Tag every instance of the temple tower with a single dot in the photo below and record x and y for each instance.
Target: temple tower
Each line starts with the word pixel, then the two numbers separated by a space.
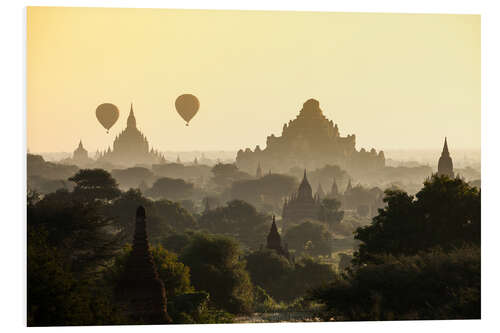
pixel 305 190
pixel 140 290
pixel 274 240
pixel 334 192
pixel 301 205
pixel 131 123
pixel 258 174
pixel 445 164
pixel 349 187
pixel 320 194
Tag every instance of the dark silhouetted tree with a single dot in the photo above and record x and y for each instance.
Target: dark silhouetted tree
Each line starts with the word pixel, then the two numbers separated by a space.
pixel 446 212
pixel 169 188
pixel 310 238
pixel 94 184
pixel 239 220
pixel 216 269
pixel 329 212
pixel 428 285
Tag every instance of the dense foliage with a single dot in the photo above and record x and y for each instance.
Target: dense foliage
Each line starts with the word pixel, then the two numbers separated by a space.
pixel 445 212
pixel 419 259
pixel 239 220
pixel 428 285
pixel 309 238
pixel 216 268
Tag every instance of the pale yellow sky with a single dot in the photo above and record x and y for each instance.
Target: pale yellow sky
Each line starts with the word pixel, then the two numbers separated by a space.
pixel 395 80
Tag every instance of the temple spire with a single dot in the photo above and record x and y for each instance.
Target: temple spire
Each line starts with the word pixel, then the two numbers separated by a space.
pixel 445 147
pixel 305 190
pixel 274 240
pixel 140 290
pixel 349 186
pixel 445 163
pixel 131 118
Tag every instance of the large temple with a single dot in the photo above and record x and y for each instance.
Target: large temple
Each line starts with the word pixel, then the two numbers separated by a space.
pixel 301 205
pixel 131 147
pixel 445 164
pixel 310 141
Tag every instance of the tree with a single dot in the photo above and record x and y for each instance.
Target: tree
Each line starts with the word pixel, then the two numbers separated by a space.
pixel 427 285
pixel 239 220
pixel 269 270
pixel 269 189
pixel 177 242
pixel 132 177
pixel 173 273
pixel 169 188
pixel 55 296
pixel 164 216
pixel 310 238
pixel 329 212
pixel 80 230
pixel 446 212
pixel 283 280
pixel 216 269
pixel 308 273
pixel 94 184
pixel 225 174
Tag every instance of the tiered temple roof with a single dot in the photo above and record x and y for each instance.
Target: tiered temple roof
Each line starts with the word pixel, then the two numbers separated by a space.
pixel 310 140
pixel 131 147
pixel 301 205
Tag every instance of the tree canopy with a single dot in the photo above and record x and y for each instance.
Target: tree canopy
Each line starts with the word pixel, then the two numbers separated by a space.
pixel 309 238
pixel 216 268
pixel 445 212
pixel 94 184
pixel 239 220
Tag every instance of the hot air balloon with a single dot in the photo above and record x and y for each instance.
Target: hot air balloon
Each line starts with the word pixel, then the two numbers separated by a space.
pixel 107 114
pixel 187 105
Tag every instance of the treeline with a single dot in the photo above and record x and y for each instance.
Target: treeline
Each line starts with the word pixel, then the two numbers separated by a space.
pixel 418 259
pixel 78 242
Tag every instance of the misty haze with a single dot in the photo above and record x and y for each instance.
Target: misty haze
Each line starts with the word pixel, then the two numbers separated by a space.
pixel 190 166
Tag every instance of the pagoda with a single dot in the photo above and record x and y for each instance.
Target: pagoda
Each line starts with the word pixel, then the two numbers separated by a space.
pixel 310 141
pixel 131 147
pixel 140 290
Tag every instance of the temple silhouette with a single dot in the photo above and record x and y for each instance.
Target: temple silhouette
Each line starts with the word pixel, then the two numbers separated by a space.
pixel 445 163
pixel 140 291
pixel 309 141
pixel 274 241
pixel 301 205
pixel 130 147
pixel 80 157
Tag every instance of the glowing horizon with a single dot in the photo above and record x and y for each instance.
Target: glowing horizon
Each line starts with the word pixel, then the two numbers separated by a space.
pixel 397 81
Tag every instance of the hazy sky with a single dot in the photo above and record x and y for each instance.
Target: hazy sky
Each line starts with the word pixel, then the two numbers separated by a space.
pixel 396 81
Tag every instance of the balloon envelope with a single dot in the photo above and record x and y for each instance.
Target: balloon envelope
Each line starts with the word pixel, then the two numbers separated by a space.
pixel 107 114
pixel 187 106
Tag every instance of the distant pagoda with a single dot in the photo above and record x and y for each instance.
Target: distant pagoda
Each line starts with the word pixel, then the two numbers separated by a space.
pixel 274 241
pixel 445 164
pixel 130 147
pixel 140 290
pixel 311 141
pixel 80 157
pixel 301 205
